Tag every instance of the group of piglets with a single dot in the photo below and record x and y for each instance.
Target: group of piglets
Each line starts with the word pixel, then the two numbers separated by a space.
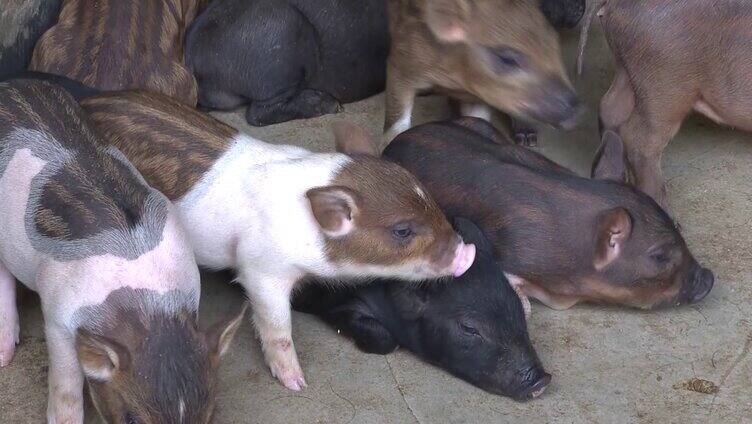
pixel 540 231
pixel 114 199
pixel 112 203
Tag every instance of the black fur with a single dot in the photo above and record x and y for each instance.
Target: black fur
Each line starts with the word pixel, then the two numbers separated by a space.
pixel 288 59
pixel 15 56
pixel 428 320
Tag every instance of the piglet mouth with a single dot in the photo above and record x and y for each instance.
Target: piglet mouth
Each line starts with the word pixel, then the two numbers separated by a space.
pixel 463 259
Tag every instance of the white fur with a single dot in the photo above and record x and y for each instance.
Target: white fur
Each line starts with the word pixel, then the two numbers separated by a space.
pixel 250 212
pixel 403 124
pixel 64 287
pixel 476 110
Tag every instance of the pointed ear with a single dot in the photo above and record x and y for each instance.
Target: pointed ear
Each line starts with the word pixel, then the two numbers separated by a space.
pixel 99 356
pixel 610 162
pixel 448 20
pixel 220 335
pixel 614 229
pixel 334 208
pixel 352 139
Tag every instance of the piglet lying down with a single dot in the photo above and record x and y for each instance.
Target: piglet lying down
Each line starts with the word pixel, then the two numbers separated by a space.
pixel 560 238
pixel 474 328
pixel 277 213
pixel 117 279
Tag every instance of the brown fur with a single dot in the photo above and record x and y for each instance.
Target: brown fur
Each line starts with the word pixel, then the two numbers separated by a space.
pixel 117 45
pixel 387 196
pixel 172 159
pixel 672 57
pixel 148 357
pixel 419 58
pixel 569 238
pixel 84 197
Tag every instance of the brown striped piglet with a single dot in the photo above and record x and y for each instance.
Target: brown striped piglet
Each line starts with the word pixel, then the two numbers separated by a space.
pixel 276 213
pixel 560 238
pixel 117 45
pixel 502 54
pixel 118 282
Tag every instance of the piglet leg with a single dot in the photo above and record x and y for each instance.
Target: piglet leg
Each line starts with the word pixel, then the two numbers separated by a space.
pixel 400 97
pixel 270 299
pixel 65 403
pixel 9 328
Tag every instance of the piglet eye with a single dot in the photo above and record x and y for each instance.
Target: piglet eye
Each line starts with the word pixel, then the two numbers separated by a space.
pixel 506 59
pixel 469 330
pixel 660 258
pixel 402 231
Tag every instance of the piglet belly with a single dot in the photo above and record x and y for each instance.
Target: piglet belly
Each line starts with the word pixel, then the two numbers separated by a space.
pixel 16 252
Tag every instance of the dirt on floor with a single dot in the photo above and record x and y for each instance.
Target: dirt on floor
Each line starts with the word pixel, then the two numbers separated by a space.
pixel 608 364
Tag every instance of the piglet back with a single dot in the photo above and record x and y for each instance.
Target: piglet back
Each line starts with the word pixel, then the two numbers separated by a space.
pixel 86 200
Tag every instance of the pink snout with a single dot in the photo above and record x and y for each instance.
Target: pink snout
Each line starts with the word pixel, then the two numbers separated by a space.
pixel 463 258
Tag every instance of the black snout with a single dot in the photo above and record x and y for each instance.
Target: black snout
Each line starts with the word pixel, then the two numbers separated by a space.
pixel 558 105
pixel 703 283
pixel 537 380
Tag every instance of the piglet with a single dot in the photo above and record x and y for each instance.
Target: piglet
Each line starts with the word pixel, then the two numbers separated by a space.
pixel 22 23
pixel 116 45
pixel 276 213
pixel 560 238
pixel 672 58
pixel 288 59
pixel 498 53
pixel 473 328
pixel 117 279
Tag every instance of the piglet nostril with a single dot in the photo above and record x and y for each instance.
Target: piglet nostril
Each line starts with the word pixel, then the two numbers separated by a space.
pixel 703 284
pixel 539 387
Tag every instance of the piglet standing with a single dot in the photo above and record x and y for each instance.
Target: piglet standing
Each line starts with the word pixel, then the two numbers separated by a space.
pixel 497 53
pixel 277 213
pixel 672 58
pixel 118 282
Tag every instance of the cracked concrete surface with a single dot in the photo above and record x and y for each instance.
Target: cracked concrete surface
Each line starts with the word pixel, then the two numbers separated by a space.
pixel 608 364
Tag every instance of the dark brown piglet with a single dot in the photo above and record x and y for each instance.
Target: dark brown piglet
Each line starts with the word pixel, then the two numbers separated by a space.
pixel 560 238
pixel 117 45
pixel 673 57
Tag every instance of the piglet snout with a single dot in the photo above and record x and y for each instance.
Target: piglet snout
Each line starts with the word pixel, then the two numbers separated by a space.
pixel 463 258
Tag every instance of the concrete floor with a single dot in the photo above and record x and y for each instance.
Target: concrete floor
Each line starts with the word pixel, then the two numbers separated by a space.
pixel 609 364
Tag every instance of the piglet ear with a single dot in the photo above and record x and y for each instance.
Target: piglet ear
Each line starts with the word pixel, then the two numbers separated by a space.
pixel 448 19
pixel 99 356
pixel 334 208
pixel 610 162
pixel 614 229
pixel 352 139
pixel 220 335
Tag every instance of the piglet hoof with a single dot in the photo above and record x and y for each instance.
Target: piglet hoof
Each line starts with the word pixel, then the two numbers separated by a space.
pixel 290 376
pixel 9 338
pixel 524 133
pixel 527 139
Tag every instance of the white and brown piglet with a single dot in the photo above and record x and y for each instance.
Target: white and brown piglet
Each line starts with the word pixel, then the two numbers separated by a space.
pixel 117 279
pixel 276 213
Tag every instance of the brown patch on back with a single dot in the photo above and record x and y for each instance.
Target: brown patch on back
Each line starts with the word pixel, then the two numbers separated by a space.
pixel 171 144
pixel 116 45
pixel 85 196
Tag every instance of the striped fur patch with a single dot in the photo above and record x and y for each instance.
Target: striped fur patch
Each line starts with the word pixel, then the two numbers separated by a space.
pixel 117 45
